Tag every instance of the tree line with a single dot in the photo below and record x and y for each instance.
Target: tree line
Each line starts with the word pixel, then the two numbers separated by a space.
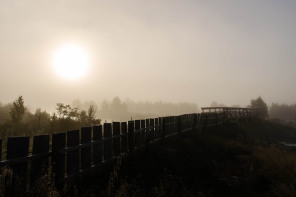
pixel 283 112
pixel 16 119
pixel 125 110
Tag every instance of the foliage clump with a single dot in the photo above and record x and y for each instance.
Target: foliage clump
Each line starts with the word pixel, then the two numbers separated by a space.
pixel 259 103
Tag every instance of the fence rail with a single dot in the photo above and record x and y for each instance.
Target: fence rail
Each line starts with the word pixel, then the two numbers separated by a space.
pixel 68 154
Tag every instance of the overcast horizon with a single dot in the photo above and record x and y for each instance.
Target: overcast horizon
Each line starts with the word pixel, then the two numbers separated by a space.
pixel 172 51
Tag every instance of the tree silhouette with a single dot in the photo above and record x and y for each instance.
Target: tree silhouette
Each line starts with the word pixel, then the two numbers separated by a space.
pixel 17 110
pixel 259 103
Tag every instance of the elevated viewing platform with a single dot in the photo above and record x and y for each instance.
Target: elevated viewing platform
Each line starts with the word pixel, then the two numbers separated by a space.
pixel 232 112
pixel 229 109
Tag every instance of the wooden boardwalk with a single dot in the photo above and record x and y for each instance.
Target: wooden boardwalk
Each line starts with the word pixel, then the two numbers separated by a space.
pixel 233 113
pixel 73 153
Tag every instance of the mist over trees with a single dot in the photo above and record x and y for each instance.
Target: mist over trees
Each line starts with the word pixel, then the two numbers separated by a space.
pixel 216 104
pixel 283 112
pixel 128 109
pixel 16 118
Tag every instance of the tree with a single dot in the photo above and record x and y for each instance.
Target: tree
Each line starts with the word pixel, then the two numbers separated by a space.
pixel 215 104
pixel 83 118
pixel 91 113
pixel 17 110
pixel 66 111
pixel 89 118
pixel 259 103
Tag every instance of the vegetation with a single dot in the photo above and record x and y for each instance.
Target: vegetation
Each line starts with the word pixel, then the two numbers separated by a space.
pixel 17 110
pixel 259 103
pixel 283 113
pixel 16 119
pixel 125 110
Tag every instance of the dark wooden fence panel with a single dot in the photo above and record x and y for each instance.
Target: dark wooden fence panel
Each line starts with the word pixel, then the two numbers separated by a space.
pixel 58 159
pixel 168 126
pixel 171 125
pixel 147 130
pixel 108 142
pixel 0 149
pixel 137 134
pixel 131 136
pixel 86 151
pixel 195 119
pixel 18 147
pixel 125 137
pixel 164 127
pixel 158 134
pixel 124 147
pixel 116 139
pixel 198 120
pixel 143 132
pixel 175 126
pixel 178 123
pixel 156 128
pixel 97 148
pixel 72 156
pixel 39 167
pixel 152 130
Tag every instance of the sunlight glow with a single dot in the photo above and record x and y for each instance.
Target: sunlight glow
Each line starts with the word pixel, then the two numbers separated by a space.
pixel 71 62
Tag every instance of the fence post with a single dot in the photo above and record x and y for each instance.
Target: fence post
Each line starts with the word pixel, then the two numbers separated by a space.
pixel 138 134
pixel 97 148
pixel 152 130
pixel 107 142
pixel 158 134
pixel 17 147
pixel 0 149
pixel 216 119
pixel 39 167
pixel 58 159
pixel 198 120
pixel 143 132
pixel 72 156
pixel 164 127
pixel 124 147
pixel 205 121
pixel 131 136
pixel 148 134
pixel 86 151
pixel 179 125
pixel 116 138
pixel 194 121
pixel 156 129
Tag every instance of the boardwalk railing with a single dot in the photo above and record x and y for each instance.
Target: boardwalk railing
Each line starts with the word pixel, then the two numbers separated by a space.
pixel 72 153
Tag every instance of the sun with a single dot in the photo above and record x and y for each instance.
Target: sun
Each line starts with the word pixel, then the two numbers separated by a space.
pixel 71 61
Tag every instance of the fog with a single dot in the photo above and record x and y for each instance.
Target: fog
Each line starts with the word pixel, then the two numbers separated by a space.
pixel 117 110
pixel 148 52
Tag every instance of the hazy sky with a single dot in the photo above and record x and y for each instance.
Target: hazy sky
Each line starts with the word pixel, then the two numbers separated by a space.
pixel 197 51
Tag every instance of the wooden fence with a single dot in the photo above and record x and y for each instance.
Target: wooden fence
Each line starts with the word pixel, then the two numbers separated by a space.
pixel 72 153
